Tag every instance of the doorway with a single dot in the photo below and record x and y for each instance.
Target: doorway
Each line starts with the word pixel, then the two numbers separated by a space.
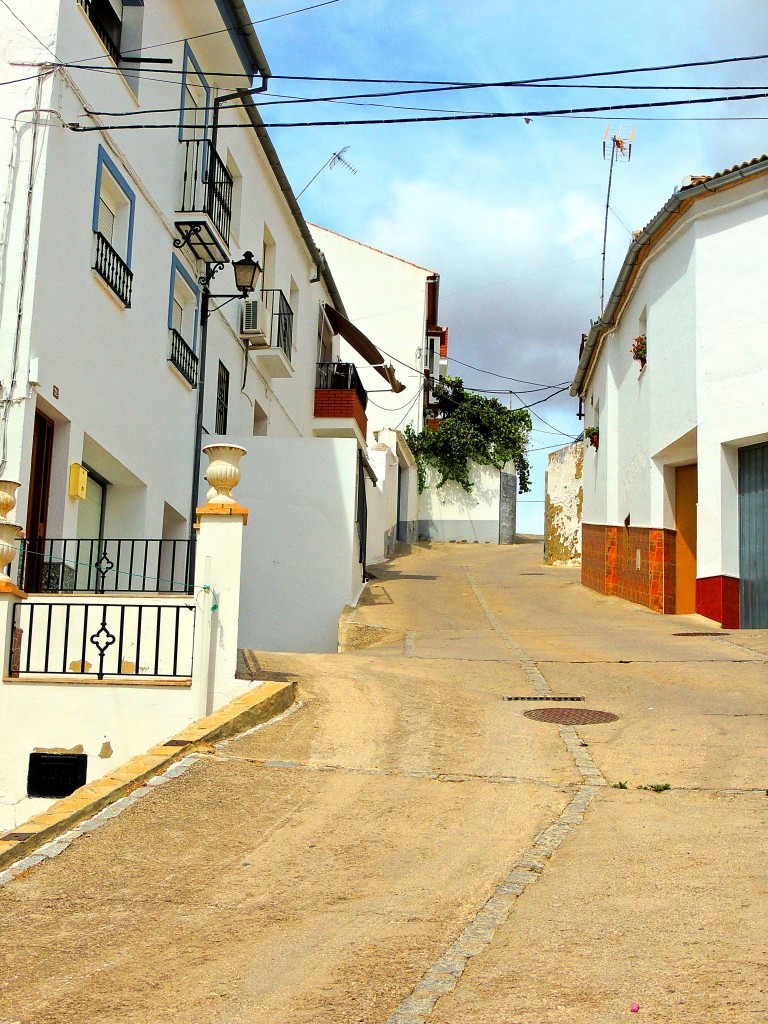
pixel 753 537
pixel 686 497
pixel 37 512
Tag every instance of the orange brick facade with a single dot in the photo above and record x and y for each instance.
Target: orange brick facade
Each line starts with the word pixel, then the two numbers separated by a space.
pixel 609 564
pixel 341 404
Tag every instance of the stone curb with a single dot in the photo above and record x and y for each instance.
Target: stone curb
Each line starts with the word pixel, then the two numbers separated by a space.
pixel 249 709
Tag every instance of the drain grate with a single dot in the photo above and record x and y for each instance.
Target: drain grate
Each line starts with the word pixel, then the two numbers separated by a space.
pixel 177 743
pixel 531 574
pixel 570 716
pixel 537 697
pixel 701 634
pixel 16 837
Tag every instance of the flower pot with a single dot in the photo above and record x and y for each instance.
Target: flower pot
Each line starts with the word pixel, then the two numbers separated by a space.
pixel 223 473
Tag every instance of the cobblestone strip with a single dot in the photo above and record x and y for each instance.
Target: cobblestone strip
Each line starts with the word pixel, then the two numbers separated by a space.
pixel 529 667
pixel 444 974
pixel 58 845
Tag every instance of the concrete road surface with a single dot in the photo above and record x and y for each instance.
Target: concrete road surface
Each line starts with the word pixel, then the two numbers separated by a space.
pixel 407 847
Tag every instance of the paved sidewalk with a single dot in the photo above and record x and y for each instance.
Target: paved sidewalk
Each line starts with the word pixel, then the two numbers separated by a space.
pixel 407 847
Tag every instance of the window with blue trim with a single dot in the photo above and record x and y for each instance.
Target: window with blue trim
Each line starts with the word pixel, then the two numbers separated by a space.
pixel 183 310
pixel 195 99
pixel 114 206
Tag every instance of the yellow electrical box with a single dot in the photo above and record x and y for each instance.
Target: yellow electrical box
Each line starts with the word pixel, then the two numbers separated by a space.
pixel 78 478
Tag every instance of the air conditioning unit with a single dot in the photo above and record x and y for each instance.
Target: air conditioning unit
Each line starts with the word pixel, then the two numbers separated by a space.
pixel 254 323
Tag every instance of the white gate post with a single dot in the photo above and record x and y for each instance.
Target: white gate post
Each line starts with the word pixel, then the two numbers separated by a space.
pixel 217 580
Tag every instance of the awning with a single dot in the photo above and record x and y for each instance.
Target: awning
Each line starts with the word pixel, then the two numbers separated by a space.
pixel 363 346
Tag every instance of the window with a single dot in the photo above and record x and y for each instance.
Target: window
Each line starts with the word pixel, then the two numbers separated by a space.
pixel 268 252
pixel 119 24
pixel 195 99
pixel 237 194
pixel 182 321
pixel 293 302
pixel 222 399
pixel 113 214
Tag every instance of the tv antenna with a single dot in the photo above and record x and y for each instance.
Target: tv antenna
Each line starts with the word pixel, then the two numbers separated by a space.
pixel 616 148
pixel 330 163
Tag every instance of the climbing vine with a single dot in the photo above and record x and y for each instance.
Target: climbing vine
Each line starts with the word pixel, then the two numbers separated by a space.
pixel 473 429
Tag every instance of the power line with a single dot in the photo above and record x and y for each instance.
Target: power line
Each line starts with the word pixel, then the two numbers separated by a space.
pixel 503 376
pixel 449 117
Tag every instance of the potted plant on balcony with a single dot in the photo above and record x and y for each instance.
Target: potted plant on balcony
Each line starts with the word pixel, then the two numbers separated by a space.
pixel 639 350
pixel 592 435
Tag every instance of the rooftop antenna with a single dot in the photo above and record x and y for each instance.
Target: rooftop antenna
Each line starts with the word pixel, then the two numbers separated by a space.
pixel 620 145
pixel 330 163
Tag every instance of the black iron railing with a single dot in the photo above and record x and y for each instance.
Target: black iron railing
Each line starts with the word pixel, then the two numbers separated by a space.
pixel 68 638
pixel 340 377
pixel 206 184
pixel 103 566
pixel 110 36
pixel 280 319
pixel 183 358
pixel 109 265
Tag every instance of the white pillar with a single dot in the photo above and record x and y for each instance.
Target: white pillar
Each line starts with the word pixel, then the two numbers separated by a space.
pixel 217 582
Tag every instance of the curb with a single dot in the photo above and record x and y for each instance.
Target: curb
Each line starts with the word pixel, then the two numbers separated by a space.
pixel 249 709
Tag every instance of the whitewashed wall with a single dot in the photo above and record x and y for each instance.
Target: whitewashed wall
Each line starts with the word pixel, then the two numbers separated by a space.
pixel 449 513
pixel 382 504
pixel 564 494
pixel 300 553
pixel 702 393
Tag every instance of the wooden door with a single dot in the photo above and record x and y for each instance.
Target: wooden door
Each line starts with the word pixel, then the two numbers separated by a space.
pixel 37 513
pixel 686 497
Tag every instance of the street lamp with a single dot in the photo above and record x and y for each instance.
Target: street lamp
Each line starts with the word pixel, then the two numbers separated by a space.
pixel 247 272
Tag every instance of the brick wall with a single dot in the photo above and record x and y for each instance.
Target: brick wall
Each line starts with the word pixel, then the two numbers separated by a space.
pixel 338 404
pixel 609 564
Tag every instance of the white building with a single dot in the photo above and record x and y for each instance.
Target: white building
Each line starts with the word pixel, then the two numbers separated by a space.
pixel 676 489
pixel 108 231
pixel 396 304
pixel 111 232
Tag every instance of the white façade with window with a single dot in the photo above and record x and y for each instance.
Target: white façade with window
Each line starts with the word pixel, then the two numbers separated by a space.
pixel 114 208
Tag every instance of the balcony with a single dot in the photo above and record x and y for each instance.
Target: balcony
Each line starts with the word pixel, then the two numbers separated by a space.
pixel 340 402
pixel 113 269
pixel 204 211
pixel 267 327
pixel 183 358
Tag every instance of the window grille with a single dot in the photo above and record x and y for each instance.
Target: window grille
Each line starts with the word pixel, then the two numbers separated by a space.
pixel 222 399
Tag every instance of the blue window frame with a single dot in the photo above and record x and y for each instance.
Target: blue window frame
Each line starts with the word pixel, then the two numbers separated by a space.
pixel 195 93
pixel 114 206
pixel 183 303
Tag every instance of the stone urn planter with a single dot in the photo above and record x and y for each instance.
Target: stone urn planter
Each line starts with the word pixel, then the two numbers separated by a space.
pixel 8 490
pixel 9 542
pixel 223 473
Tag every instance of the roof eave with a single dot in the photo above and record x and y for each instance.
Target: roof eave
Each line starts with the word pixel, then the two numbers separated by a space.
pixel 642 241
pixel 245 30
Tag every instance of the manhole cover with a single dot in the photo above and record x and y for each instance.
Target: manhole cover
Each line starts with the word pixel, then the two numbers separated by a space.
pixel 570 716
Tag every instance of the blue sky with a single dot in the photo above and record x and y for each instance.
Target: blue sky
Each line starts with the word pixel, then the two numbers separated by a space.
pixel 510 214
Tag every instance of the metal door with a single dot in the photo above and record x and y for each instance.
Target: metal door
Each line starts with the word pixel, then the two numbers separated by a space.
pixel 753 536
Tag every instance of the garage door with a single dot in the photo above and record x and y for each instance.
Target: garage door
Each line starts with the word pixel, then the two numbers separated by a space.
pixel 753 536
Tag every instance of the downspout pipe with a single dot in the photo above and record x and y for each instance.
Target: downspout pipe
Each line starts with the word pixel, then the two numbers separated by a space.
pixel 644 238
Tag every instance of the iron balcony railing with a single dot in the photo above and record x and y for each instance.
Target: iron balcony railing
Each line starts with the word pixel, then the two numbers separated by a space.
pixel 280 320
pixel 72 565
pixel 183 358
pixel 96 639
pixel 107 37
pixel 341 377
pixel 110 266
pixel 206 184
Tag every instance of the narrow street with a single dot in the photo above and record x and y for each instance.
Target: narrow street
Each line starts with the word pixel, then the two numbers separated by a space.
pixel 404 845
